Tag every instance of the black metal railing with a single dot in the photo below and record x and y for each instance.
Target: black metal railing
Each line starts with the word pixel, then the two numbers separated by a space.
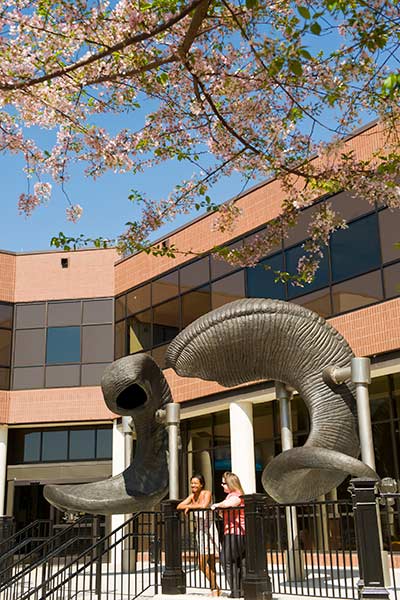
pixel 120 565
pixel 389 508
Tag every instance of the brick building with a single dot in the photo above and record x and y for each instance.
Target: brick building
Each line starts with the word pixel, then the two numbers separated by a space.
pixel 63 317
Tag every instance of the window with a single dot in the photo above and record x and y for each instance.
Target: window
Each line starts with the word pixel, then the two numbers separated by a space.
pixel 54 445
pixel 194 274
pixel 389 225
pixel 228 289
pixel 139 332
pixel 319 302
pixel 138 300
pixel 97 311
pixel 82 444
pixel 64 313
pixel 97 343
pixel 6 312
pixel 321 278
pixel 220 267
pixel 360 242
pixel 166 287
pixel 261 280
pixel 4 379
pixel 195 304
pixel 165 322
pixel 32 447
pixel 357 292
pixel 30 315
pixel 63 345
pixel 158 355
pixel 120 333
pixel 104 443
pixel 5 347
pixel 120 308
pixel 391 276
pixel 30 347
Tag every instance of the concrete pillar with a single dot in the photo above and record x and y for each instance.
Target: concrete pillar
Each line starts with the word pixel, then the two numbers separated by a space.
pixel 118 464
pixel 242 444
pixel 3 465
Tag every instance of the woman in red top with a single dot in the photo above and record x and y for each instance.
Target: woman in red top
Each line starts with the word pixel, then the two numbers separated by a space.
pixel 233 546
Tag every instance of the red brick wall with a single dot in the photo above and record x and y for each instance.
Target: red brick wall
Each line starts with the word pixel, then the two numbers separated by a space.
pixel 7 277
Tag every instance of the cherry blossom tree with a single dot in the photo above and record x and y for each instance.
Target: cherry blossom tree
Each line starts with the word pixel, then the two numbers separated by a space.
pixel 224 86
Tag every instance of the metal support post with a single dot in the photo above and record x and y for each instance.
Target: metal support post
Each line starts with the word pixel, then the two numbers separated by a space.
pixel 361 377
pixel 369 539
pixel 173 578
pixel 294 556
pixel 256 583
pixel 172 422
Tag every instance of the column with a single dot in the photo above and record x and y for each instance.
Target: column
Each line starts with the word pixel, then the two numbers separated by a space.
pixel 3 465
pixel 242 444
pixel 118 464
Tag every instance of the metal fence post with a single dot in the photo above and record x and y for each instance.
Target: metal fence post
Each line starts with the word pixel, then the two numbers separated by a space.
pixel 369 539
pixel 173 580
pixel 256 583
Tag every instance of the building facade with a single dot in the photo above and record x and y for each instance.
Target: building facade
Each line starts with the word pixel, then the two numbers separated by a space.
pixel 64 317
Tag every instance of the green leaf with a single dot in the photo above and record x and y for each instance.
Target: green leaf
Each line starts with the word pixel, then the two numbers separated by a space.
pixel 315 28
pixel 295 66
pixel 251 4
pixel 304 12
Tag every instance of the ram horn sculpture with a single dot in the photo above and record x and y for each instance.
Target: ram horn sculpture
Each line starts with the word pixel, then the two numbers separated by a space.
pixel 254 339
pixel 132 386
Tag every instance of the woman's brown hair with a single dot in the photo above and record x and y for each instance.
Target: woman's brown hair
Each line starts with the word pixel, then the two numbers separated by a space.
pixel 233 482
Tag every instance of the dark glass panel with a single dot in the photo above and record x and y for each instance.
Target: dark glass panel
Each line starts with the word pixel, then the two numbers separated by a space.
pixel 120 308
pixel 63 345
pixel 32 446
pixel 349 207
pixel 138 299
pixel 120 339
pixel 300 417
pixel 389 225
pixel 396 393
pixel 195 304
pixel 299 232
pixel 391 276
pixel 63 376
pixel 194 274
pixel 81 444
pixel 357 292
pixel 251 239
pixel 6 312
pixel 379 396
pixel 356 249
pixel 30 347
pixel 92 374
pixel 30 315
pixel 384 449
pixel 28 378
pixel 321 278
pixel 104 443
pixel 228 289
pixel 158 355
pixel 263 424
pixel 97 343
pixel 64 313
pixel 319 302
pixel 4 379
pixel 5 347
pixel 54 445
pixel 220 267
pixel 165 321
pixel 261 281
pixel 97 311
pixel 139 332
pixel 165 287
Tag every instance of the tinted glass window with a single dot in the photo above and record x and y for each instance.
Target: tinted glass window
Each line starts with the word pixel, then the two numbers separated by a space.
pixel 349 207
pixel 299 232
pixel 92 374
pixel 64 313
pixel 54 445
pixel 120 306
pixel 120 329
pixel 321 278
pixel 63 345
pixel 319 302
pixel 97 311
pixel 139 332
pixel 195 304
pixel 228 289
pixel 158 355
pixel 30 347
pixel 32 446
pixel 221 267
pixel 5 347
pixel 356 249
pixel 165 322
pixel 82 444
pixel 4 379
pixel 139 299
pixel 6 315
pixel 379 396
pixel 63 376
pixel 30 315
pixel 97 343
pixel 28 378
pixel 389 224
pixel 194 274
pixel 261 281
pixel 165 287
pixel 391 276
pixel 104 443
pixel 357 292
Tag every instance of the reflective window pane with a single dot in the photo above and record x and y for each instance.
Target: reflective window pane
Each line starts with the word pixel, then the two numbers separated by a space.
pixel 389 226
pixel 299 232
pixel 165 321
pixel 82 444
pixel 228 289
pixel 384 450
pixel 349 207
pixel 319 302
pixel 379 396
pixel 321 278
pixel 158 355
pixel 30 315
pixel 138 299
pixel 97 343
pixel 32 446
pixel 165 287
pixel 64 313
pixel 195 304
pixel 120 308
pixel 4 379
pixel 221 267
pixel 63 345
pixel 104 443
pixel 360 243
pixel 357 292
pixel 28 378
pixel 139 332
pixel 391 276
pixel 120 341
pixel 6 311
pixel 194 274
pixel 97 311
pixel 55 445
pixel 62 376
pixel 5 347
pixel 261 281
pixel 30 347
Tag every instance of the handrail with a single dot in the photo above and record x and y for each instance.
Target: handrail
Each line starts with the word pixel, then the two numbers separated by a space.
pixel 22 531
